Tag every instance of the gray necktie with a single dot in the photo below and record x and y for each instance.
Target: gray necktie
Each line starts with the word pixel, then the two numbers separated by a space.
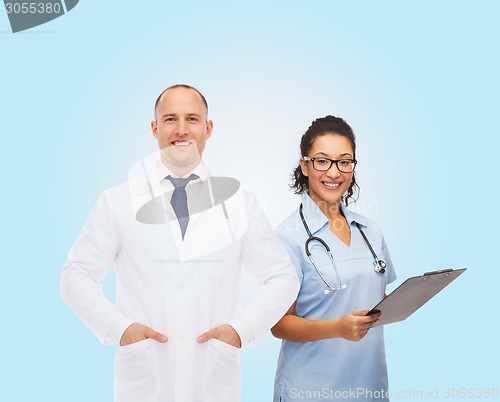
pixel 179 200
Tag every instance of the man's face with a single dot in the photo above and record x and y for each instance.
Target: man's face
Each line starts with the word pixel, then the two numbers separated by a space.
pixel 181 127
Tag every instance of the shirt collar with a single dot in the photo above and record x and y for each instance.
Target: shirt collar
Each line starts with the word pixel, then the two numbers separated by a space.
pixel 353 217
pixel 316 219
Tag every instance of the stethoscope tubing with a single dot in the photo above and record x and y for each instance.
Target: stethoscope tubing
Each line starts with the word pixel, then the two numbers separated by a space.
pixel 379 265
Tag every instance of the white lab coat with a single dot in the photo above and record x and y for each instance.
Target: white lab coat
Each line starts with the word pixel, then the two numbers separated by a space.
pixel 179 288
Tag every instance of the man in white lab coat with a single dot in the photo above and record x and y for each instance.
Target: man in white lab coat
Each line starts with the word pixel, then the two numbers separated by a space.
pixel 177 318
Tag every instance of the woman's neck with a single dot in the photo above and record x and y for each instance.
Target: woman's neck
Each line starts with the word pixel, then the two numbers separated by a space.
pixel 332 210
pixel 338 222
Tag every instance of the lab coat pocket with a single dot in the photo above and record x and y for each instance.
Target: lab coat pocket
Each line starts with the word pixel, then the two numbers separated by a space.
pixel 223 374
pixel 227 349
pixel 136 346
pixel 136 372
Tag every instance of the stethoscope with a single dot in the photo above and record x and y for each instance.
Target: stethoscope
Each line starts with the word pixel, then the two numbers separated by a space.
pixel 378 265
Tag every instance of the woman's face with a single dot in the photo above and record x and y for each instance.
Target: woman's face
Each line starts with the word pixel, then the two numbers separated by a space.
pixel 328 187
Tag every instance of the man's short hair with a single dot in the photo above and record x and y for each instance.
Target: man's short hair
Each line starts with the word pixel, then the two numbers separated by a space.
pixel 180 86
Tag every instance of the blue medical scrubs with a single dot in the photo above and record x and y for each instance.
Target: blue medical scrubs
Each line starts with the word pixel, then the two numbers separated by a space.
pixel 334 369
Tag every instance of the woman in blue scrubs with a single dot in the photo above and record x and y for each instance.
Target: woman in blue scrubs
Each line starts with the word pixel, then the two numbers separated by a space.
pixel 330 350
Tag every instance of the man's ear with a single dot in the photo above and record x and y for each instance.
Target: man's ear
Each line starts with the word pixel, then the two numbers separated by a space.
pixel 154 129
pixel 210 127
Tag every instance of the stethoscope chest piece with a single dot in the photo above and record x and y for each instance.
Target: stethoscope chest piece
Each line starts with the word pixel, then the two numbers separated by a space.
pixel 379 266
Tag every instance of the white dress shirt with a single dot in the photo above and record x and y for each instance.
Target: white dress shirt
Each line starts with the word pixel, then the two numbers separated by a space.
pixel 179 288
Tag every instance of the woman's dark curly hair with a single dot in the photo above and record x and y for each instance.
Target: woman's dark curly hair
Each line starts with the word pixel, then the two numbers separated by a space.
pixel 322 126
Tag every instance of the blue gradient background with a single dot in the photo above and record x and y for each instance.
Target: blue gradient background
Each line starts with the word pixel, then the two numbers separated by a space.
pixel 418 81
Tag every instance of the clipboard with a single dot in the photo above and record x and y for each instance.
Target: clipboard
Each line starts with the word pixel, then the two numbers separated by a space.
pixel 413 294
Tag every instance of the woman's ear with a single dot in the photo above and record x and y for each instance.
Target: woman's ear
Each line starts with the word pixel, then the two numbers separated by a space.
pixel 304 167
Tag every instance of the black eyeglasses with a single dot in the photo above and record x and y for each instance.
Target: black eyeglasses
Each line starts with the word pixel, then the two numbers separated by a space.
pixel 324 164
